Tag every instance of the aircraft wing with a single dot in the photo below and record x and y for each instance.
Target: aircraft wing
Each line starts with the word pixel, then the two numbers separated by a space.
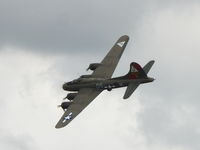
pixel 109 63
pixel 81 101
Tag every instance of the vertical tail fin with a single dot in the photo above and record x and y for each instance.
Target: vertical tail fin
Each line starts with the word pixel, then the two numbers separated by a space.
pixel 136 71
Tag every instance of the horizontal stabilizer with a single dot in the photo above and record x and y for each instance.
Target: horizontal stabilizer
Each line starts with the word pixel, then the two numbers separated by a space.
pixel 148 66
pixel 130 89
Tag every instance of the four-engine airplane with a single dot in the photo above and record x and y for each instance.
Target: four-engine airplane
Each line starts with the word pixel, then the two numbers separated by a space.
pixel 88 87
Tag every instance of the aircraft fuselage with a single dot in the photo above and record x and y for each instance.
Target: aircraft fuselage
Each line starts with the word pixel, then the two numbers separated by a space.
pixel 102 84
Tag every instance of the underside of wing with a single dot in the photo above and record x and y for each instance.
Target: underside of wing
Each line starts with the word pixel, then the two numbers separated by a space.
pixel 109 63
pixel 82 100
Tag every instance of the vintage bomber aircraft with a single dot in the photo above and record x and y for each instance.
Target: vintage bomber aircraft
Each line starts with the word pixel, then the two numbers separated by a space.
pixel 88 87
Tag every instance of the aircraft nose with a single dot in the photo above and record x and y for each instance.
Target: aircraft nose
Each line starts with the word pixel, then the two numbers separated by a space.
pixel 65 86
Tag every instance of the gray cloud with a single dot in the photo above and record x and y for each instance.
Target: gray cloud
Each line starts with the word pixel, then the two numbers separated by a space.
pixel 65 25
pixel 171 108
pixel 161 115
pixel 10 141
pixel 68 26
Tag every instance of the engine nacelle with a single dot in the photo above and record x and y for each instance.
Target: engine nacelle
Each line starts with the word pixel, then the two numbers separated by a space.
pixel 65 105
pixel 93 66
pixel 71 96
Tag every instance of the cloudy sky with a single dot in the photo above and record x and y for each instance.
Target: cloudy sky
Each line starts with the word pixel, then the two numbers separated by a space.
pixel 44 43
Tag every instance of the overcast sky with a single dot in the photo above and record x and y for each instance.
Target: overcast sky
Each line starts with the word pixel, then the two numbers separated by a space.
pixel 44 43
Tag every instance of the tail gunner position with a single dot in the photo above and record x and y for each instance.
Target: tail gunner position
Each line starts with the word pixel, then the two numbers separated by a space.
pixel 88 87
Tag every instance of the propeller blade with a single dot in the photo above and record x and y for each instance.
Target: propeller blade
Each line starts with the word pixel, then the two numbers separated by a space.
pixel 65 98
